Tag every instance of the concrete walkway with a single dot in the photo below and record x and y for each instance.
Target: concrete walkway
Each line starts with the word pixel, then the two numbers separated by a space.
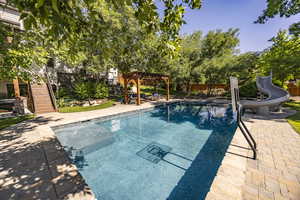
pixel 34 166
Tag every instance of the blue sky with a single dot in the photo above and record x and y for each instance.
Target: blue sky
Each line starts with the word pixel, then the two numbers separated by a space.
pixel 225 14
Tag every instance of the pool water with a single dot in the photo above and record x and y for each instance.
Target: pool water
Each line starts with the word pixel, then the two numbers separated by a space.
pixel 171 152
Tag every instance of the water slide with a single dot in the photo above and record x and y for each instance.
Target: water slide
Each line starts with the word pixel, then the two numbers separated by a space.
pixel 276 96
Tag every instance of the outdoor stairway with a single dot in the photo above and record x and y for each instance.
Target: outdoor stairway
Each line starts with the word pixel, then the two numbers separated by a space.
pixel 42 99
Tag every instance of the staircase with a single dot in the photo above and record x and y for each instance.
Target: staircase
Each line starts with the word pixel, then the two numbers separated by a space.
pixel 41 98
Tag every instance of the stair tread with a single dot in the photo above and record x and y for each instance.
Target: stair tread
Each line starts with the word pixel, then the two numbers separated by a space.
pixel 42 99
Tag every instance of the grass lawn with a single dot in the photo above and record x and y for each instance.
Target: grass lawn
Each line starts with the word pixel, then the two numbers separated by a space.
pixel 14 120
pixel 294 120
pixel 87 108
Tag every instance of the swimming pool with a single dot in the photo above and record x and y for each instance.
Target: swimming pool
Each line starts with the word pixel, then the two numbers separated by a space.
pixel 169 152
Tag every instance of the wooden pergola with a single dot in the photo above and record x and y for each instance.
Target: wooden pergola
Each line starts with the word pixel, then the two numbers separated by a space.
pixel 138 77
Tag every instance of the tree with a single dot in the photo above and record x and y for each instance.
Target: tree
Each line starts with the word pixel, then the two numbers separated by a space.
pixel 244 67
pixel 201 56
pixel 69 19
pixel 216 49
pixel 283 8
pixel 18 57
pixel 282 58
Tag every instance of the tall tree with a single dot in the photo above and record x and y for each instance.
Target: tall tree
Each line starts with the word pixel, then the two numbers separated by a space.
pixel 199 55
pixel 282 58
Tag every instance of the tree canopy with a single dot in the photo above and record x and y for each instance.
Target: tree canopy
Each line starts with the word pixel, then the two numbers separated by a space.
pixel 201 56
pixel 64 19
pixel 283 8
pixel 282 58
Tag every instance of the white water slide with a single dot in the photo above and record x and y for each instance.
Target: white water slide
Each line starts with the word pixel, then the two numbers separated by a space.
pixel 276 96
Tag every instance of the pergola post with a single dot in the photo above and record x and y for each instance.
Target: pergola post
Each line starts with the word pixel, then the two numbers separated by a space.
pixel 138 88
pixel 16 88
pixel 125 90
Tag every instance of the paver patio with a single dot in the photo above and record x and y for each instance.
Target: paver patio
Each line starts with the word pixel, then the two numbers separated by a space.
pixel 34 166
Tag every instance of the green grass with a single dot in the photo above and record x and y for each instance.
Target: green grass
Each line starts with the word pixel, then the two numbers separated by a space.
pixel 4 123
pixel 293 104
pixel 294 120
pixel 87 108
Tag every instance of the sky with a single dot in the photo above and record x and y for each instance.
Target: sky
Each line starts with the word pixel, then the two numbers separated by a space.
pixel 241 14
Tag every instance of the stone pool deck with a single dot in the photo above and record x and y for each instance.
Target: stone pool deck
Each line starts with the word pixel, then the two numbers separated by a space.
pixel 34 166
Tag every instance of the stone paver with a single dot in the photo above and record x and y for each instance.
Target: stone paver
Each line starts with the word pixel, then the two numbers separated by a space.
pixel 275 173
pixel 34 166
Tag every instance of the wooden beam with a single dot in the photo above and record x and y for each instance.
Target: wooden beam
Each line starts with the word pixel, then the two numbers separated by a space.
pixel 16 88
pixel 138 88
pixel 125 90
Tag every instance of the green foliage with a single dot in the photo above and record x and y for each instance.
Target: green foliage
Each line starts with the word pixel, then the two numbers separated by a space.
pixel 22 56
pixel 277 82
pixel 294 120
pixel 62 93
pixel 295 29
pixel 243 66
pixel 87 108
pixel 101 91
pixel 249 90
pixel 84 90
pixel 61 102
pixel 89 90
pixel 69 20
pixel 282 58
pixel 295 105
pixel 283 8
pixel 202 59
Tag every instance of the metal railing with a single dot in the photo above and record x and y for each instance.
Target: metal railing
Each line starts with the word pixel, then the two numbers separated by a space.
pixel 245 131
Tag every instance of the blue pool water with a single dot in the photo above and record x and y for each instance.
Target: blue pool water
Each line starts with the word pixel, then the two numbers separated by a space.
pixel 171 152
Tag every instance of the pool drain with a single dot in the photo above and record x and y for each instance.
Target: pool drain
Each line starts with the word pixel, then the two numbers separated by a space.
pixel 154 152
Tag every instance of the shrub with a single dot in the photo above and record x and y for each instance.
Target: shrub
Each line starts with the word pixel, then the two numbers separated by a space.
pixel 277 82
pixel 61 102
pixel 84 90
pixel 62 92
pixel 249 90
pixel 101 91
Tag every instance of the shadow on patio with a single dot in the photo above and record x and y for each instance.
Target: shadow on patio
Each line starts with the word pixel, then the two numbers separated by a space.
pixel 36 169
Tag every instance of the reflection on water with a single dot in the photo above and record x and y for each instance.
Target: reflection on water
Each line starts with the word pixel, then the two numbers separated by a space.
pixel 203 116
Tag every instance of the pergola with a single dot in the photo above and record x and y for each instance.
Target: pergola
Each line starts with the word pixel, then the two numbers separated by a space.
pixel 138 77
